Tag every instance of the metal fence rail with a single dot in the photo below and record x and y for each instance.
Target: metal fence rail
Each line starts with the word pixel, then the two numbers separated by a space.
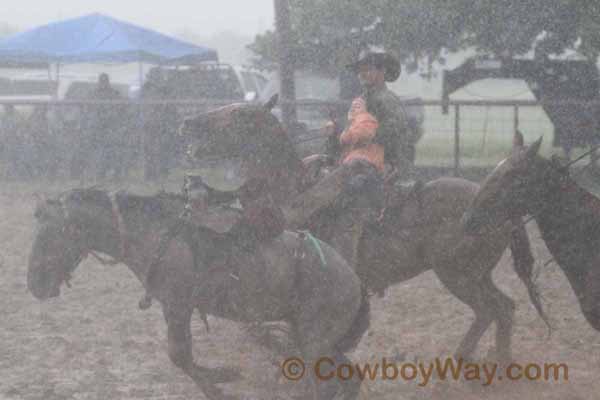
pixel 472 132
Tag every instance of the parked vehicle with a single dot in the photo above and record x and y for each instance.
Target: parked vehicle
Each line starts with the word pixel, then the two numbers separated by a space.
pixel 214 81
pixel 253 82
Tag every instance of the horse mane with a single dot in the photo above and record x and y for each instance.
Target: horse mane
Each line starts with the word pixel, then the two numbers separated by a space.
pixel 587 202
pixel 160 205
pixel 273 135
pixel 162 208
pixel 91 195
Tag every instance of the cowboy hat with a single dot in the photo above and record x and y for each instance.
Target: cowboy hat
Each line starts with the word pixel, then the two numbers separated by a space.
pixel 379 59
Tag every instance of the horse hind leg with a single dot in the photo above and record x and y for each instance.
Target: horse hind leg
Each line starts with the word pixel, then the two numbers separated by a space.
pixel 180 353
pixel 350 389
pixel 321 359
pixel 468 344
pixel 471 293
pixel 489 304
pixel 504 310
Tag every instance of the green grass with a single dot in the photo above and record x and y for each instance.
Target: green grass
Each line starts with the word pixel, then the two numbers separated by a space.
pixel 486 135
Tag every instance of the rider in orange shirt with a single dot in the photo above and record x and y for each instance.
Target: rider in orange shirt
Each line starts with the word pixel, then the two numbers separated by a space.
pixel 357 139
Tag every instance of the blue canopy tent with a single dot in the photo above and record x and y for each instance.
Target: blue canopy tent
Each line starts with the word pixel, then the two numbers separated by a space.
pixel 99 38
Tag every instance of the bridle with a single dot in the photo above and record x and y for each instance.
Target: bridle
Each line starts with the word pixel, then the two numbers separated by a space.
pixel 119 226
pixel 563 185
pixel 82 252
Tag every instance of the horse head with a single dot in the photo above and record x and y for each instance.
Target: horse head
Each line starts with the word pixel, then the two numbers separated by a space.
pixel 63 239
pixel 567 215
pixel 511 189
pixel 252 136
pixel 233 130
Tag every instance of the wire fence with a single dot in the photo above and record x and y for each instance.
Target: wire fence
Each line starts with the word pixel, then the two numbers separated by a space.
pixel 61 138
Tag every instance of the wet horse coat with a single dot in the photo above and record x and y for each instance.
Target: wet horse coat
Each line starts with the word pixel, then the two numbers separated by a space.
pixel 423 232
pixel 567 215
pixel 323 304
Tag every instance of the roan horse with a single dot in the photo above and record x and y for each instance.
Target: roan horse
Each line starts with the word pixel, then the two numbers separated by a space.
pixel 567 215
pixel 323 304
pixel 420 232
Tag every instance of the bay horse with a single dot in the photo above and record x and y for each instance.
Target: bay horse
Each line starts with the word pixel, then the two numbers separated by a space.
pixel 567 215
pixel 315 292
pixel 421 232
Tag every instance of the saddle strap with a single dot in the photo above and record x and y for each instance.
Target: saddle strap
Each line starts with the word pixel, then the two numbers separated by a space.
pixel 316 244
pixel 165 240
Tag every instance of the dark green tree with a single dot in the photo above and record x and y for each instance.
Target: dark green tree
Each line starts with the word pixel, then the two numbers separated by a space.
pixel 329 33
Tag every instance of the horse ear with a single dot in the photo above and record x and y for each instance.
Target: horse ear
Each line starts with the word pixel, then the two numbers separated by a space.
pixel 272 102
pixel 518 139
pixel 517 144
pixel 534 148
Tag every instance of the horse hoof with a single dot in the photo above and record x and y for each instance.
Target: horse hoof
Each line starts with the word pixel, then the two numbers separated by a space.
pixel 145 303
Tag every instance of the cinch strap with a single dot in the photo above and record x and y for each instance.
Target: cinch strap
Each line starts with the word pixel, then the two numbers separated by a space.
pixel 317 244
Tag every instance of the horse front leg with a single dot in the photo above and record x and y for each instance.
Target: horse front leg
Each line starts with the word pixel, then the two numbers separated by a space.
pixel 180 353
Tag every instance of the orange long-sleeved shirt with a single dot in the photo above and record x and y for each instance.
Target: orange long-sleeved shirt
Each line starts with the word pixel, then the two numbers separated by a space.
pixel 357 141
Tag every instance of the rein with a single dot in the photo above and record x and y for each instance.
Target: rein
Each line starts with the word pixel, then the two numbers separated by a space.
pixel 565 187
pixel 564 170
pixel 119 224
pixel 165 240
pixel 590 151
pixel 571 187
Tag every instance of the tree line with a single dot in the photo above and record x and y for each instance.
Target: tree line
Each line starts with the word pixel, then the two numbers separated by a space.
pixel 329 33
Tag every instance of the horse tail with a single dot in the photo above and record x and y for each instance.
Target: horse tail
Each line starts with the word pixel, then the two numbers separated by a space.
pixel 359 326
pixel 523 263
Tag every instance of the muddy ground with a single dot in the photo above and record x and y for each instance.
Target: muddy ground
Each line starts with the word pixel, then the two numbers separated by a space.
pixel 94 343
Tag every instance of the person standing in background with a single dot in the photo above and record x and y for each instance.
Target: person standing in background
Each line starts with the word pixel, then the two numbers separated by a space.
pixel 104 129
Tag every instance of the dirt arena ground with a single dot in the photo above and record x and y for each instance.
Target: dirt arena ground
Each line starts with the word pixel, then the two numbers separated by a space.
pixel 94 343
